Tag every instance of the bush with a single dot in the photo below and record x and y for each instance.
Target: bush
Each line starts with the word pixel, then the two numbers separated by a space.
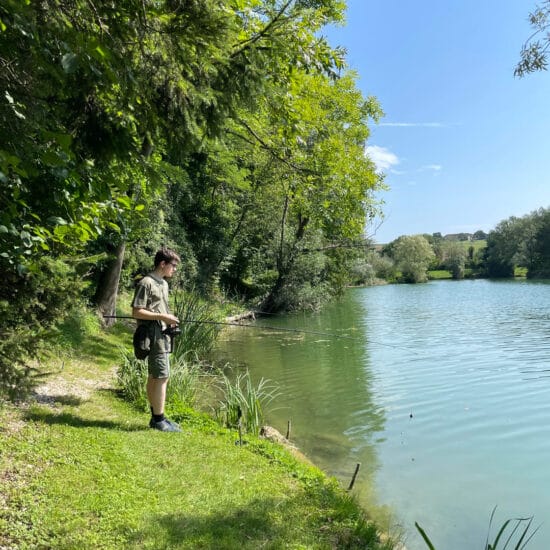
pixel 31 304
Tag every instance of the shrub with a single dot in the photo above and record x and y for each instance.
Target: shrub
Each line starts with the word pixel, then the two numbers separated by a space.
pixel 31 304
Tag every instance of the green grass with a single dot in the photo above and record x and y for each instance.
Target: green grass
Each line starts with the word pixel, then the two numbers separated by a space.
pixel 439 274
pixel 80 469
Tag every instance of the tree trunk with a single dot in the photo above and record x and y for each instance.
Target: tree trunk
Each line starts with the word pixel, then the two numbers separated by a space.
pixel 269 304
pixel 107 289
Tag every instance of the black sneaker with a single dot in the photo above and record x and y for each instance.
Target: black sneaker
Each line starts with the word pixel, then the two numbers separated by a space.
pixel 164 425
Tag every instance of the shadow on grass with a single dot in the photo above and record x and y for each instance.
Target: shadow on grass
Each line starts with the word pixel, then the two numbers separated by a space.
pixel 243 527
pixel 65 400
pixel 97 348
pixel 69 419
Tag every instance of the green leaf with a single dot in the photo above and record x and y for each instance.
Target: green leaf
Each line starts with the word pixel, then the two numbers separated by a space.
pixel 57 220
pixel 124 202
pixel 69 62
pixel 113 226
pixel 424 536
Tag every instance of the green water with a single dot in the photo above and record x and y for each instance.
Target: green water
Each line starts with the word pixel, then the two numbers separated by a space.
pixel 441 391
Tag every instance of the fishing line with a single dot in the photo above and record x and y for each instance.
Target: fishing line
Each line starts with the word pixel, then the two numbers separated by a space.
pixel 283 329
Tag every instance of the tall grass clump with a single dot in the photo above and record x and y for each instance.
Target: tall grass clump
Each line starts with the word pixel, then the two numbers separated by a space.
pixel 182 388
pixel 513 534
pixel 185 381
pixel 132 377
pixel 242 404
pixel 199 330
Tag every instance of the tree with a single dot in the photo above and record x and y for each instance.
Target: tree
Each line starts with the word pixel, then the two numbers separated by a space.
pixel 412 255
pixel 518 242
pixel 321 182
pixel 105 104
pixel 502 245
pixel 479 235
pixel 289 179
pixel 454 258
pixel 541 263
pixel 534 52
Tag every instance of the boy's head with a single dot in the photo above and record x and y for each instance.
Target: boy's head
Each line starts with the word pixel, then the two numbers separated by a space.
pixel 166 255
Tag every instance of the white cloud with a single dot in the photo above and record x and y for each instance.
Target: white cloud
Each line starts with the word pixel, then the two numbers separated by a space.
pixel 413 124
pixel 383 158
pixel 431 168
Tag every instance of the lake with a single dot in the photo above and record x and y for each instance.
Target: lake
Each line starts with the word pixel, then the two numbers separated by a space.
pixel 441 391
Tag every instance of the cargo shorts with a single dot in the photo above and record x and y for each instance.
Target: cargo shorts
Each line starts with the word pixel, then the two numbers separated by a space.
pixel 159 356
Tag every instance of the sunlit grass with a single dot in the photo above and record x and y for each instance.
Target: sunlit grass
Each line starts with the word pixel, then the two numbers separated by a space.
pixel 83 470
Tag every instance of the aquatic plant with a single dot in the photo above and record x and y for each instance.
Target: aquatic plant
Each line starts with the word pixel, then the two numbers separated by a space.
pixel 242 404
pixel 512 532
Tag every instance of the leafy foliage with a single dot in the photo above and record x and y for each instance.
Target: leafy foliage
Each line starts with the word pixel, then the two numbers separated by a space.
pixel 30 306
pixel 412 255
pixel 454 258
pixel 534 52
pixel 520 242
pixel 153 123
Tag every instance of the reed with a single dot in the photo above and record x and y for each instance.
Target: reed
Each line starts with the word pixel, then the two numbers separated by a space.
pixel 184 383
pixel 242 404
pixel 513 534
pixel 181 391
pixel 131 378
pixel 197 323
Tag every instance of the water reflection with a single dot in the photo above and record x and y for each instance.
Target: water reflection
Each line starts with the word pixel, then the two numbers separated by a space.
pixel 325 382
pixel 442 395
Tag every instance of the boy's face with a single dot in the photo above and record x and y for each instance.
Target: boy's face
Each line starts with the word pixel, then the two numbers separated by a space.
pixel 168 268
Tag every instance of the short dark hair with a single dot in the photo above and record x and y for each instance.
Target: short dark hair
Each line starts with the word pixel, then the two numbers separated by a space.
pixel 166 255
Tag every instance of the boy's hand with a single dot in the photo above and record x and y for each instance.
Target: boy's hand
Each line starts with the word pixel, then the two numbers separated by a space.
pixel 170 319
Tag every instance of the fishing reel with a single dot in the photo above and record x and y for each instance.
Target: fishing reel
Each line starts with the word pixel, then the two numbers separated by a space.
pixel 172 331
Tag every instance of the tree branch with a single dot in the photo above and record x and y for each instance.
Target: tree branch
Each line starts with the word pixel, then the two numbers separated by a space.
pixel 248 42
pixel 270 150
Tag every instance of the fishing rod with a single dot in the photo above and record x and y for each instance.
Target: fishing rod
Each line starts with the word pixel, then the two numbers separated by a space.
pixel 245 325
pixel 268 327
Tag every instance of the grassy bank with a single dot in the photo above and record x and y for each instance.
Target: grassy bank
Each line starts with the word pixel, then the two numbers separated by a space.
pixel 80 469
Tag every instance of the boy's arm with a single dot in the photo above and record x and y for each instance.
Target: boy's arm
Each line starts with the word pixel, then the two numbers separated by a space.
pixel 146 315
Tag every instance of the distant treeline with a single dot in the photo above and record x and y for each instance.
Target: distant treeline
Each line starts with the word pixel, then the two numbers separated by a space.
pixel 516 245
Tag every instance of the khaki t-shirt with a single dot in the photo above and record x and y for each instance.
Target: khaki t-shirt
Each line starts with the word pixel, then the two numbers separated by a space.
pixel 152 294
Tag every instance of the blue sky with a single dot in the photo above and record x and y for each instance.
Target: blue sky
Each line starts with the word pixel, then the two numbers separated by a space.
pixel 463 143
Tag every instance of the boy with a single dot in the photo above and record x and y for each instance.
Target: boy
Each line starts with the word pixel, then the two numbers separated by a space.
pixel 150 305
